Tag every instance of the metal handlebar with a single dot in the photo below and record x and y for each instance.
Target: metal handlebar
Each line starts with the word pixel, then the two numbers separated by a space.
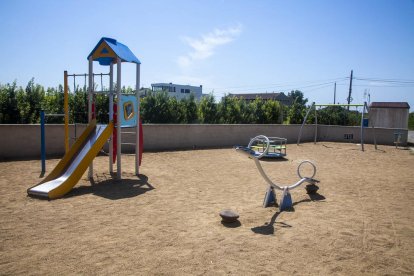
pixel 260 138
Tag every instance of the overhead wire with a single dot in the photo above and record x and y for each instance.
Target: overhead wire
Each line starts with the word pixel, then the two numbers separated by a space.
pixel 319 84
pixel 287 85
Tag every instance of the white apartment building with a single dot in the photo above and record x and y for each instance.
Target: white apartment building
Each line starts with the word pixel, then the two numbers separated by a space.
pixel 177 90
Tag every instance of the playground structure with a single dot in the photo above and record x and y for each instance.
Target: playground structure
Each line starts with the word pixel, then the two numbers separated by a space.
pixel 65 115
pixel 270 196
pixel 365 109
pixel 80 156
pixel 275 149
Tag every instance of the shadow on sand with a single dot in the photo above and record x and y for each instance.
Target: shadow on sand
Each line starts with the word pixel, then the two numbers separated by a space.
pixel 268 227
pixel 231 224
pixel 115 189
pixel 270 159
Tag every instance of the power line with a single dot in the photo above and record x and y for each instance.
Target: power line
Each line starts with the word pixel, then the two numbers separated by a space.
pixel 402 81
pixel 379 85
pixel 318 84
pixel 298 84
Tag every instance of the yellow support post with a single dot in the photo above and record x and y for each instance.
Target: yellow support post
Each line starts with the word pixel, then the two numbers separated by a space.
pixel 66 107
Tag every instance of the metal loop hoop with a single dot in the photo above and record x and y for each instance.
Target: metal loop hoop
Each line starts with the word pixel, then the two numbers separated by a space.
pixel 304 162
pixel 260 138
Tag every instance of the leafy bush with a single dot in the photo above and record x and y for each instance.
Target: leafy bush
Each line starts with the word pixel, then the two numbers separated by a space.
pixel 411 121
pixel 18 105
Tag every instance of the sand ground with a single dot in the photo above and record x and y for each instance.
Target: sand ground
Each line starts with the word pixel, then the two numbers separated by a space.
pixel 167 222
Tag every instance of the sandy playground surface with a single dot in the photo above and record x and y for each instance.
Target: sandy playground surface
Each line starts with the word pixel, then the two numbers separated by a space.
pixel 167 222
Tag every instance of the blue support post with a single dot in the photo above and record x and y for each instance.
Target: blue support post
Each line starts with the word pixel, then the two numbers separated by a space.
pixel 286 201
pixel 270 197
pixel 42 140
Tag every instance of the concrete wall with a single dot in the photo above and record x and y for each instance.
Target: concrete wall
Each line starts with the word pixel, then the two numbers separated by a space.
pixel 23 141
pixel 389 117
pixel 383 136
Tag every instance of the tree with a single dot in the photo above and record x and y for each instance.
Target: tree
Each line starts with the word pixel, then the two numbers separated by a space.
pixel 411 121
pixel 257 111
pixel 297 96
pixel 34 97
pixel 190 109
pixel 338 115
pixel 102 108
pixel 207 110
pixel 9 113
pixel 176 111
pixel 229 110
pixel 297 110
pixel 156 108
pixel 53 103
pixel 272 111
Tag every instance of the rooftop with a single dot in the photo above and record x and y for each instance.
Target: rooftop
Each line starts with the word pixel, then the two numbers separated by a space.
pixel 389 105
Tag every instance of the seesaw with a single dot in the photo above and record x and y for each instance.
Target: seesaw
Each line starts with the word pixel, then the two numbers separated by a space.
pixel 270 196
pixel 276 148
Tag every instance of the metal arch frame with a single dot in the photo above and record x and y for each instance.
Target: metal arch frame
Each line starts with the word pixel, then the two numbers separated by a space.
pixel 259 137
pixel 313 105
pixel 248 153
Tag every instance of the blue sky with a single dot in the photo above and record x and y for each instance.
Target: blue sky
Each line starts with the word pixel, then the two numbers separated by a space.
pixel 224 45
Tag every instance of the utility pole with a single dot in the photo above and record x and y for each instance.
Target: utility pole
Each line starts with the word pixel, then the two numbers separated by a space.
pixel 350 89
pixel 335 94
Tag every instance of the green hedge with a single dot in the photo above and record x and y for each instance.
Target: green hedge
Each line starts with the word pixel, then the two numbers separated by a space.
pixel 411 121
pixel 23 105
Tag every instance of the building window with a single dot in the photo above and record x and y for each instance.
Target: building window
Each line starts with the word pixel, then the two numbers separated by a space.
pixel 187 90
pixel 182 90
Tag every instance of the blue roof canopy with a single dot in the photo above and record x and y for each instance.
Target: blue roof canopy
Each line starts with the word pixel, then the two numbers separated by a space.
pixel 108 49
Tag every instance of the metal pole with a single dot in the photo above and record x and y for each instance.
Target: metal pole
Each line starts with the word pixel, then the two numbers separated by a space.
pixel 90 99
pixel 350 88
pixel 362 128
pixel 66 108
pixel 303 123
pixel 137 126
pixel 372 125
pixel 42 141
pixel 334 94
pixel 118 123
pixel 111 113
pixel 316 127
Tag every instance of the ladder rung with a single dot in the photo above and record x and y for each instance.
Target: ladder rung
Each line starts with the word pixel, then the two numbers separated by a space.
pixel 128 144
pixel 128 133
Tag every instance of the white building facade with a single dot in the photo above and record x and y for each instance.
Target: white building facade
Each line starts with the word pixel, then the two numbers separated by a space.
pixel 177 90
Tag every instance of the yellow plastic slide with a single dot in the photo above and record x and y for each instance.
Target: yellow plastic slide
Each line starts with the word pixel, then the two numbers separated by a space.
pixel 74 164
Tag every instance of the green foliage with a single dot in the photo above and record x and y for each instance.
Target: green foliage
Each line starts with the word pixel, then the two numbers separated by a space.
pixel 23 105
pixel 411 121
pixel 78 107
pixel 272 111
pixel 207 110
pixel 53 104
pixel 9 112
pixel 190 109
pixel 335 115
pixel 229 110
pixel 159 108
pixel 338 115
pixel 257 111
pixel 297 110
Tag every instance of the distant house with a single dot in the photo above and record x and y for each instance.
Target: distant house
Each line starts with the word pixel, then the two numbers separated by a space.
pixel 178 90
pixel 280 97
pixel 144 92
pixel 389 114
